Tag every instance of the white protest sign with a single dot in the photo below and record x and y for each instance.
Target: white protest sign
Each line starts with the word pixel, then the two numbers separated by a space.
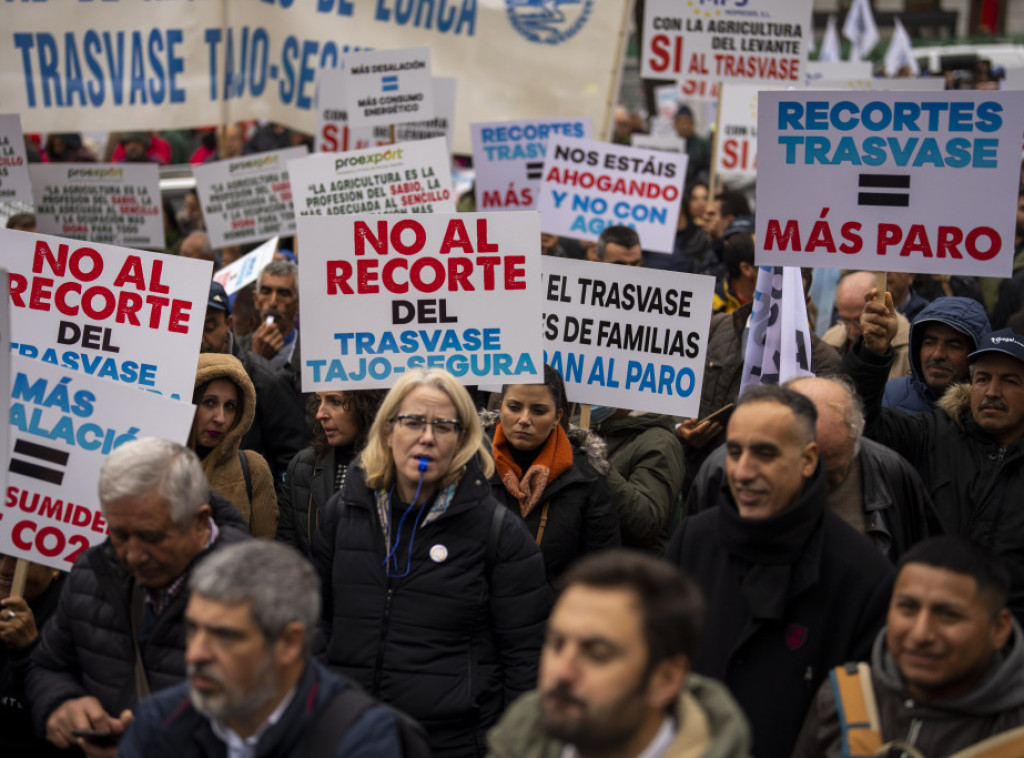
pixel 816 71
pixel 627 337
pixel 737 129
pixel 1014 79
pixel 410 177
pixel 589 185
pixel 63 424
pixel 889 181
pixel 5 370
pixel 878 83
pixel 459 292
pixel 731 40
pixel 442 124
pixel 246 269
pixel 667 143
pixel 508 157
pixel 15 184
pixel 247 199
pixel 389 86
pixel 697 89
pixel 127 315
pixel 115 203
pixel 333 132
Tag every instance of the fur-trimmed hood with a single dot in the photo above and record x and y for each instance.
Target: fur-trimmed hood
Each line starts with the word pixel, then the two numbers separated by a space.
pixel 223 366
pixel 956 402
pixel 586 440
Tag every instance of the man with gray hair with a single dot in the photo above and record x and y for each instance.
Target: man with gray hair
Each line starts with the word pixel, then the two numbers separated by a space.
pixel 870 487
pixel 118 631
pixel 276 298
pixel 253 687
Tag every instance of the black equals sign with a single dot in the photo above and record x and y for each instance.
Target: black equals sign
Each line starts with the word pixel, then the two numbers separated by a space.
pixel 40 453
pixel 534 169
pixel 884 181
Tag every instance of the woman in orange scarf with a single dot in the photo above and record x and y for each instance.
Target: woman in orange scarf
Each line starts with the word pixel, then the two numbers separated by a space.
pixel 551 475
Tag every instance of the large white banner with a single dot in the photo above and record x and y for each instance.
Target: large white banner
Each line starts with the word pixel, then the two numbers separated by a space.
pixel 15 185
pixel 62 427
pixel 889 181
pixel 627 337
pixel 726 40
pixel 126 315
pixel 391 293
pixel 508 158
pixel 410 177
pixel 588 186
pixel 116 203
pixel 247 199
pixel 138 64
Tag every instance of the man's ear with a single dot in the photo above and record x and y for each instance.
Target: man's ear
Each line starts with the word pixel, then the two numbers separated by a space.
pixel 289 646
pixel 666 681
pixel 809 460
pixel 1002 628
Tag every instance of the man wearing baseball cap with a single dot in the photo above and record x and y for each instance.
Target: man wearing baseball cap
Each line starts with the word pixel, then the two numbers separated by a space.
pixel 969 450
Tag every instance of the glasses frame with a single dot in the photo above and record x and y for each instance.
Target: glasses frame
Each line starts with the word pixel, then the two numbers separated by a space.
pixel 402 419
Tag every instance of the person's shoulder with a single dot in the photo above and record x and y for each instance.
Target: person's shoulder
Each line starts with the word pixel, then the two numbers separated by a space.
pixel 851 553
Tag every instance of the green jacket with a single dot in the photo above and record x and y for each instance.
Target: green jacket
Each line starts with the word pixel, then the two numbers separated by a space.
pixel 646 477
pixel 711 725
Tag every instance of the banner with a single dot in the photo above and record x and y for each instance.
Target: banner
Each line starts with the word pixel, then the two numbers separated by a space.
pixel 458 292
pixel 130 316
pixel 889 181
pixel 726 41
pixel 15 185
pixel 508 158
pixel 144 65
pixel 627 337
pixel 246 269
pixel 411 177
pixel 589 185
pixel 115 203
pixel 247 199
pixel 779 341
pixel 62 427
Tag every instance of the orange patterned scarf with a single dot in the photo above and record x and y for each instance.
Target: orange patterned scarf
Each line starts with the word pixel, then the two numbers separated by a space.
pixel 555 459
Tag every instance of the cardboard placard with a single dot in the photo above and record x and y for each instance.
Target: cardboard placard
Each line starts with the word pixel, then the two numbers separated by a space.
pixel 15 184
pixel 388 86
pixel 246 269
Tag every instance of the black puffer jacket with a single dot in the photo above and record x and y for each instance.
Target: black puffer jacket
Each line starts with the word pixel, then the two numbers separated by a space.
pixel 581 517
pixel 452 643
pixel 86 648
pixel 304 493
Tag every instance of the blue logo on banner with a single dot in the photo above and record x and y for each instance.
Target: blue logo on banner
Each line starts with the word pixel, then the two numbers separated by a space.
pixel 548 22
pixel 389 83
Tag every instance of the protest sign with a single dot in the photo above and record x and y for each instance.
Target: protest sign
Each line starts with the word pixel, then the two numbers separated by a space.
pixel 127 315
pixel 458 292
pixel 115 203
pixel 246 269
pixel 508 157
pixel 441 125
pixel 589 185
pixel 147 65
pixel 889 181
pixel 668 143
pixel 63 425
pixel 5 369
pixel 15 185
pixel 410 177
pixel 878 83
pixel 816 71
pixel 333 132
pixel 779 341
pixel 247 199
pixel 388 86
pixel 627 337
pixel 732 40
pixel 737 126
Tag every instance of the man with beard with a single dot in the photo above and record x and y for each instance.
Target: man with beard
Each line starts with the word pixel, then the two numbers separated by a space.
pixel 615 672
pixel 253 687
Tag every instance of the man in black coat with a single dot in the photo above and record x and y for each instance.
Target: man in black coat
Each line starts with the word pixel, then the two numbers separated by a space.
pixel 118 631
pixel 793 590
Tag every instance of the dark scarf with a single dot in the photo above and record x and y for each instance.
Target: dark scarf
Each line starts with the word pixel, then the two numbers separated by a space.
pixel 765 551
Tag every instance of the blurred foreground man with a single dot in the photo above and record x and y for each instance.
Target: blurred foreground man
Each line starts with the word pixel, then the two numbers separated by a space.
pixel 945 674
pixel 615 672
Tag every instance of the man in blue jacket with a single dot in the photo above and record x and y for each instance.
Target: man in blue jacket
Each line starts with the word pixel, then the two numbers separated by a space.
pixel 941 337
pixel 253 688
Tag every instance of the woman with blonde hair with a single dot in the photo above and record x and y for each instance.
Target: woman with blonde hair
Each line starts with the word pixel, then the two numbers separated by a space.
pixel 225 401
pixel 434 600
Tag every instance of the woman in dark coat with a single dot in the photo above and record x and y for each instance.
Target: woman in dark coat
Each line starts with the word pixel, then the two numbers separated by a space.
pixel 433 599
pixel 343 422
pixel 552 479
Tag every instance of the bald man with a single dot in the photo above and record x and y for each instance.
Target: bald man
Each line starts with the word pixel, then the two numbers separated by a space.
pixel 850 296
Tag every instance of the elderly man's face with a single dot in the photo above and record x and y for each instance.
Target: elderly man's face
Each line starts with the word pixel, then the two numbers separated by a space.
pixel 836 439
pixel 154 549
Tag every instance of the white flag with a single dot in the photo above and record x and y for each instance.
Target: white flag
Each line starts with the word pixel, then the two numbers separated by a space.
pixel 860 28
pixel 830 42
pixel 779 340
pixel 900 52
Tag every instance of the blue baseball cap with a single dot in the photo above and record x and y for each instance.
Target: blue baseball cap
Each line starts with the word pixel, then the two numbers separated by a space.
pixel 218 298
pixel 1005 341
